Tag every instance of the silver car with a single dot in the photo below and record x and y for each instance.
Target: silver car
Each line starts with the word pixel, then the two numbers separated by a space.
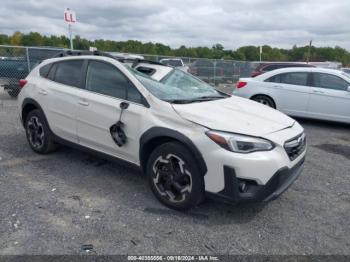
pixel 305 92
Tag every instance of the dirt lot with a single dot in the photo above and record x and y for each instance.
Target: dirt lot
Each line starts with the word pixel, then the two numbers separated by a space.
pixel 55 204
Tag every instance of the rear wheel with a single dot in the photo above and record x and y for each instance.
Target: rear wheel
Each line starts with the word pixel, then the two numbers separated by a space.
pixel 265 100
pixel 174 177
pixel 38 133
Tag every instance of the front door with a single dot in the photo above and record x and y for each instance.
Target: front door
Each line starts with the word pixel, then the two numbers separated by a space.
pixel 329 98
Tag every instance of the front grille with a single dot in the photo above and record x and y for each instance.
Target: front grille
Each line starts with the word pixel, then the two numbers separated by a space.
pixel 295 146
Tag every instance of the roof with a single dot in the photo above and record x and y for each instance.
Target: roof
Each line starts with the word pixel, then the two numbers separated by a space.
pixel 299 69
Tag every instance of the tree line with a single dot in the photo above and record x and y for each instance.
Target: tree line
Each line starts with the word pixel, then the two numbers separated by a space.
pixel 217 51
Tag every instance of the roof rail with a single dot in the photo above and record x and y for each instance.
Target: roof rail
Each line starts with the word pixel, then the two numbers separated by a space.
pixel 134 61
pixel 79 53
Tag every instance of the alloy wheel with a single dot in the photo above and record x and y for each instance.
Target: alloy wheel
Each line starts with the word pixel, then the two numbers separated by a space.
pixel 35 131
pixel 171 178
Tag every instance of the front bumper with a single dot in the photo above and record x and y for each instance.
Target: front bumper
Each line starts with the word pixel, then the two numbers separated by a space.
pixel 234 192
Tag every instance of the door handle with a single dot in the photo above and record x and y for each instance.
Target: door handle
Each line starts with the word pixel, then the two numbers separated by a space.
pixel 83 102
pixel 317 92
pixel 42 92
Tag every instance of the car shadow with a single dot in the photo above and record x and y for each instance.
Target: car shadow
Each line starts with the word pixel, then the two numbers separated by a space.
pixel 209 212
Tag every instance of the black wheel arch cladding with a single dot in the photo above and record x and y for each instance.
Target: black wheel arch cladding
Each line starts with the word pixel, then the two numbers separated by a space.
pixel 28 105
pixel 158 135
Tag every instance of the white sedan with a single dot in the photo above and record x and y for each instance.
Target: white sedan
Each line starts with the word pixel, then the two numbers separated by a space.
pixel 305 92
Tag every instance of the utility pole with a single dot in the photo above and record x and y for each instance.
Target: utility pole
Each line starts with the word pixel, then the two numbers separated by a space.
pixel 309 52
pixel 70 36
pixel 260 52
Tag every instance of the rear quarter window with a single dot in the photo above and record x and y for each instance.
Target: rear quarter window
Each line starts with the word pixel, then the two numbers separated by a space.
pixel 44 70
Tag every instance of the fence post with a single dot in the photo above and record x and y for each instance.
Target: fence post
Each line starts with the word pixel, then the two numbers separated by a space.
pixel 214 72
pixel 28 61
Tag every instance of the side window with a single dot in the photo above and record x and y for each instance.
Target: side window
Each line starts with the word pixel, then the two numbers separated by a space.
pixel 69 72
pixel 295 78
pixel 269 68
pixel 329 81
pixel 106 79
pixel 44 70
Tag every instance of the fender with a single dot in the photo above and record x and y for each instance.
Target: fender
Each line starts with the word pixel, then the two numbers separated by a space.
pixel 30 101
pixel 166 133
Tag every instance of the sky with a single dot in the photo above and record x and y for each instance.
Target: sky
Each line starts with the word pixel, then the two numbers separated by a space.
pixel 233 23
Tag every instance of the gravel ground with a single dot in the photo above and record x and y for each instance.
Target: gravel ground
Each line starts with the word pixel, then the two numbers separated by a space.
pixel 57 203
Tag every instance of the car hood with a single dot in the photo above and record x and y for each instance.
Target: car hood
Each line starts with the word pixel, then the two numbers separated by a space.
pixel 236 115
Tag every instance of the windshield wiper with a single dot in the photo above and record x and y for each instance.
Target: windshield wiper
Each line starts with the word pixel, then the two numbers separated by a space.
pixel 197 99
pixel 181 101
pixel 210 97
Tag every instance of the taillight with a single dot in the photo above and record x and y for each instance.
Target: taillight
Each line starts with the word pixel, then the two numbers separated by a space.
pixel 22 82
pixel 241 84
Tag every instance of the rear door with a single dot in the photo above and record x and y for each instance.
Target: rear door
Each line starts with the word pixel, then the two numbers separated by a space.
pixel 329 98
pixel 58 95
pixel 291 92
pixel 106 87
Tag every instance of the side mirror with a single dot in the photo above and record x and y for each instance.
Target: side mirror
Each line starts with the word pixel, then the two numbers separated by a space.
pixel 124 105
pixel 348 89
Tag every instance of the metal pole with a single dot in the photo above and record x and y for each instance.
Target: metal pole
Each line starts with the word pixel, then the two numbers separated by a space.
pixel 28 61
pixel 70 36
pixel 260 52
pixel 309 52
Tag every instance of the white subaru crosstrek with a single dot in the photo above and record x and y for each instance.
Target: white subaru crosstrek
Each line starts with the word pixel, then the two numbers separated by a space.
pixel 189 139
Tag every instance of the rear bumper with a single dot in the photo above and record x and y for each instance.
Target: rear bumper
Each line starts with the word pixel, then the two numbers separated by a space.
pixel 252 192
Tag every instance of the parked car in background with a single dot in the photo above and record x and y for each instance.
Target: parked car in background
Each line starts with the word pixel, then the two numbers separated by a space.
pixel 211 71
pixel 11 70
pixel 119 55
pixel 305 92
pixel 14 68
pixel 189 139
pixel 203 68
pixel 174 62
pixel 346 70
pixel 266 67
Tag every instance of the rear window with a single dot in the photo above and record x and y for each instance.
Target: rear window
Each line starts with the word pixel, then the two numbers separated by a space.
pixel 44 70
pixel 69 72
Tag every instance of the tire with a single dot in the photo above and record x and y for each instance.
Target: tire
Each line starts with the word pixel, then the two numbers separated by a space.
pixel 174 177
pixel 265 100
pixel 38 133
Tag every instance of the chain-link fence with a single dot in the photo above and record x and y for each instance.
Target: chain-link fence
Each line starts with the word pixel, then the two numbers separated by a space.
pixel 213 71
pixel 16 62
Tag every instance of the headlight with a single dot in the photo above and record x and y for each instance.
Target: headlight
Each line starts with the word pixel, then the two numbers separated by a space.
pixel 240 143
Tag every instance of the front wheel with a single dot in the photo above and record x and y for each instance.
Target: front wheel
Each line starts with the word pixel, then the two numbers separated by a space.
pixel 174 177
pixel 265 100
